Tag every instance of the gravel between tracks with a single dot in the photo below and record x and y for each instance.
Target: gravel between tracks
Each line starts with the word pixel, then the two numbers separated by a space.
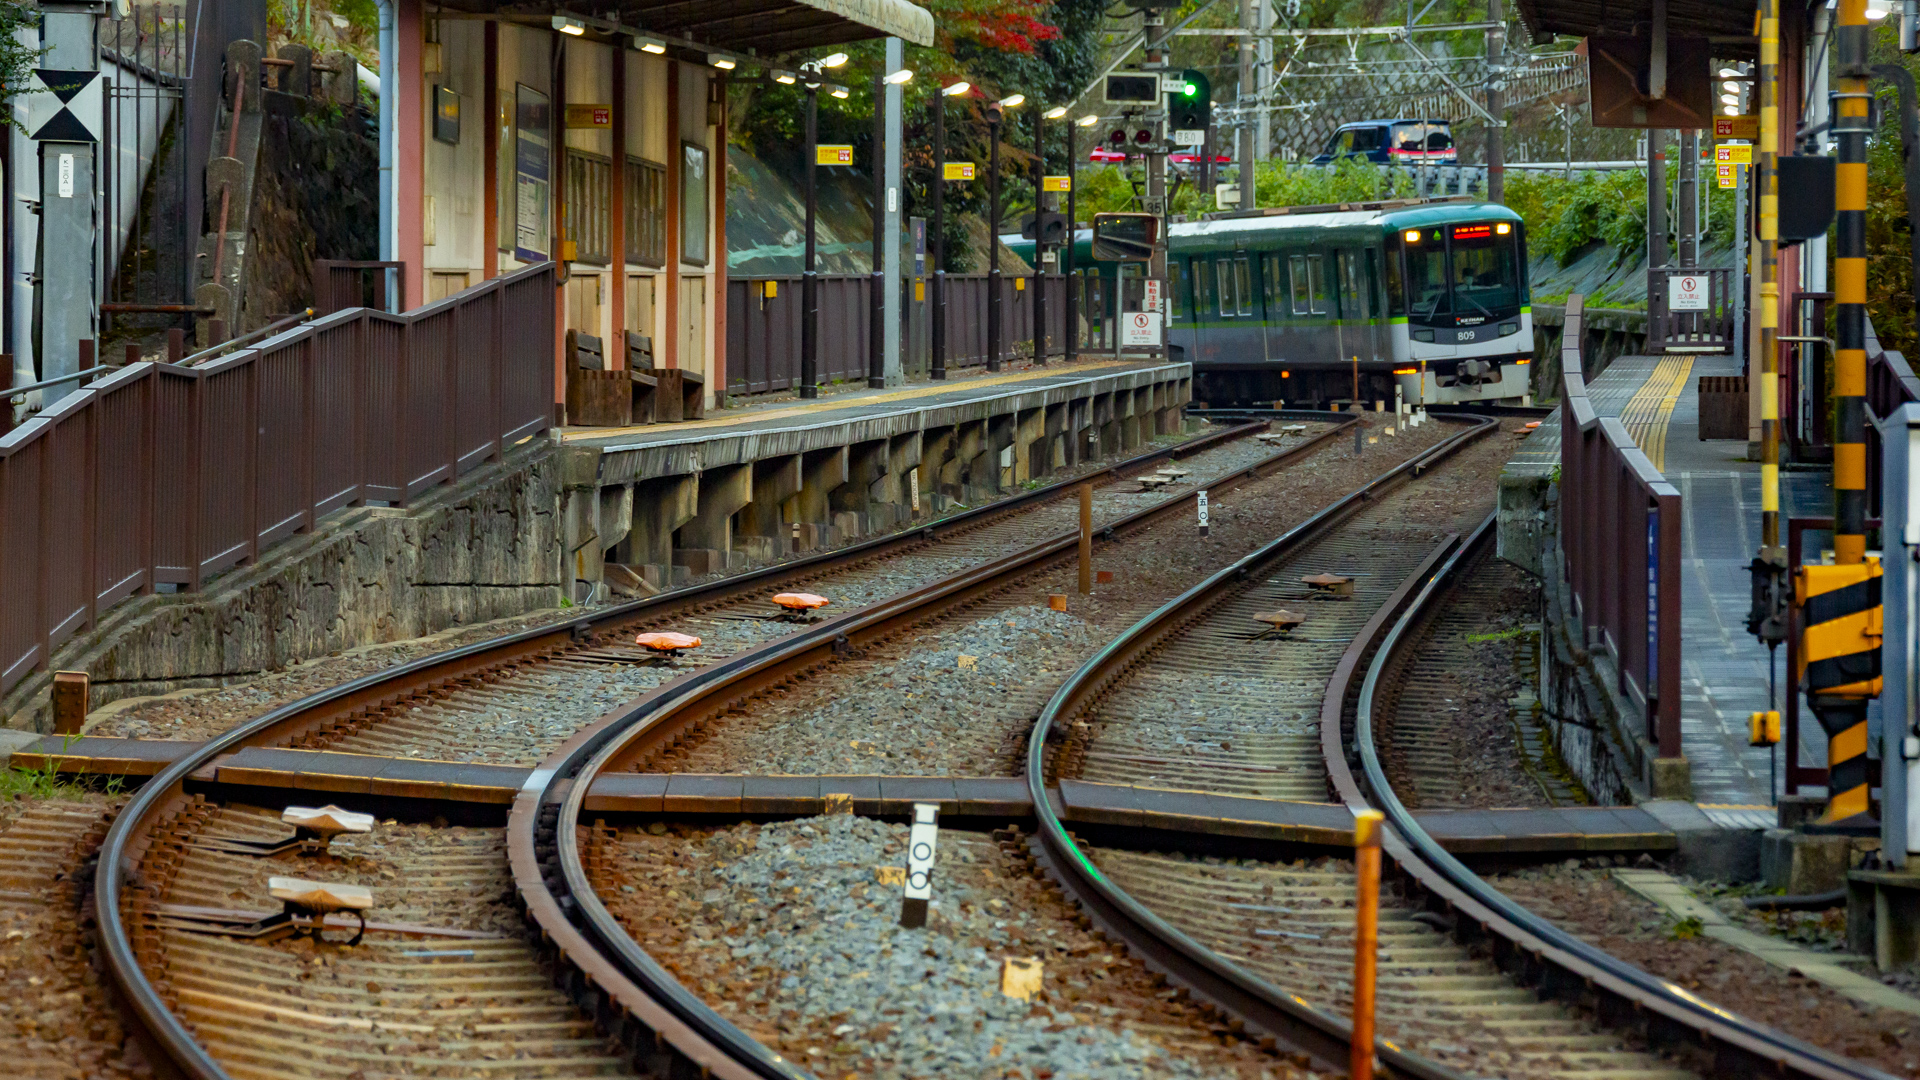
pixel 784 928
pixel 913 706
pixel 57 1019
pixel 1582 900
pixel 200 714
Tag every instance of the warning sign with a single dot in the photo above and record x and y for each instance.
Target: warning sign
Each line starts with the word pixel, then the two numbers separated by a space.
pixel 1151 300
pixel 1733 154
pixel 957 170
pixel 1736 127
pixel 833 154
pixel 1687 292
pixel 1140 329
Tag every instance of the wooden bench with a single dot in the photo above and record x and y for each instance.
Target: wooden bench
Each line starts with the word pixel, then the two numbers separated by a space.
pixel 596 397
pixel 681 395
pixel 646 388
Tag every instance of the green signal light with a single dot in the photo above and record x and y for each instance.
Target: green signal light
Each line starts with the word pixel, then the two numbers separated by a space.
pixel 1189 89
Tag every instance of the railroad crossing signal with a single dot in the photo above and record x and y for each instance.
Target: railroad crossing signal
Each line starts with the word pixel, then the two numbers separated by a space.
pixel 1045 227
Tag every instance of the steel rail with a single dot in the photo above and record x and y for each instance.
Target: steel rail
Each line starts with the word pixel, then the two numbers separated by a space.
pixel 1323 1036
pixel 600 964
pixel 1530 947
pixel 165 1038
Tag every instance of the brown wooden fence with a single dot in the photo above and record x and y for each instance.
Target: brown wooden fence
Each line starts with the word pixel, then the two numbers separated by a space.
pixel 1620 535
pixel 763 332
pixel 163 474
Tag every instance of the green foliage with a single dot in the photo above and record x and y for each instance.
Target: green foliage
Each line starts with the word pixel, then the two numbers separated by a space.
pixel 1565 216
pixel 1686 929
pixel 17 61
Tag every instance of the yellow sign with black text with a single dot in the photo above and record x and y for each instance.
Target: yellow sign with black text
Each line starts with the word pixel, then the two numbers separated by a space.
pixel 833 154
pixel 1056 183
pixel 1736 127
pixel 1733 154
pixel 957 170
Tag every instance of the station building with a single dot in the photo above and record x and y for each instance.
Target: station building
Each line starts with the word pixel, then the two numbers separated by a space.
pixel 528 132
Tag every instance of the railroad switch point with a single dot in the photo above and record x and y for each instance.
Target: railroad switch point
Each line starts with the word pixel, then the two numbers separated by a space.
pixel 1332 586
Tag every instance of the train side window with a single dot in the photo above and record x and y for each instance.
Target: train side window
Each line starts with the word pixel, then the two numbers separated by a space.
pixel 1202 290
pixel 1317 284
pixel 1298 266
pixel 1242 285
pixel 1353 286
pixel 1176 288
pixel 1229 303
pixel 1396 283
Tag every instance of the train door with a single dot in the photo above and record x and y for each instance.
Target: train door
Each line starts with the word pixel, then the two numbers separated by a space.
pixel 1273 320
pixel 1206 306
pixel 1356 307
pixel 1234 335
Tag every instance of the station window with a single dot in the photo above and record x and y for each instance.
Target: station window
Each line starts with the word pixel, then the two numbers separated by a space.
pixel 646 212
pixel 589 180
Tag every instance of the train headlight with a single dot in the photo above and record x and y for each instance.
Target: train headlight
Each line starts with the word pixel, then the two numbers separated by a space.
pixel 1413 236
pixel 1507 328
pixel 1503 228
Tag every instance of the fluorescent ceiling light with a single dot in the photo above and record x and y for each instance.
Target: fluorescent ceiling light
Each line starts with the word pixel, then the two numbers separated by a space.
pixel 1731 111
pixel 1010 102
pixel 568 25
pixel 834 60
pixel 722 61
pixel 1055 113
pixel 1088 120
pixel 784 78
pixel 901 77
pixel 1729 99
pixel 649 44
pixel 956 88
pixel 837 91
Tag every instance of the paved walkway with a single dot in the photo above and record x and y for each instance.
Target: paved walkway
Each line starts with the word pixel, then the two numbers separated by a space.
pixel 1724 673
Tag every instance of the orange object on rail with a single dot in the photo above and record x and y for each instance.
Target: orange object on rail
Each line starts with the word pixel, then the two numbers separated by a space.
pixel 665 641
pixel 800 601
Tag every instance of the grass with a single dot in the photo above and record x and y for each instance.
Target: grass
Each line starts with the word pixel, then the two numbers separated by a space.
pixel 47 782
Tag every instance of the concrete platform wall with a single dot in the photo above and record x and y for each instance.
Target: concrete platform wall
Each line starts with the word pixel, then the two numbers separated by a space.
pixel 485 548
pixel 669 511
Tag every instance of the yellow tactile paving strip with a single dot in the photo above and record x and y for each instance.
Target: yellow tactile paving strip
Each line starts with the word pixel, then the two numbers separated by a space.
pixel 1651 407
pixel 847 401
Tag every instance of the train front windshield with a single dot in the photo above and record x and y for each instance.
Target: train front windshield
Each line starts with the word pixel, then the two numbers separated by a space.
pixel 1469 274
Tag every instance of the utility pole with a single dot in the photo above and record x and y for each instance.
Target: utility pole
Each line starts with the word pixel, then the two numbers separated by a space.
pixel 1156 60
pixel 1247 98
pixel 1656 197
pixel 1262 76
pixel 1687 198
pixel 65 118
pixel 890 290
pixel 1496 103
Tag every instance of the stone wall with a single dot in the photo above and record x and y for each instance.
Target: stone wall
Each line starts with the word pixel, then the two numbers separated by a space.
pixel 316 196
pixel 488 547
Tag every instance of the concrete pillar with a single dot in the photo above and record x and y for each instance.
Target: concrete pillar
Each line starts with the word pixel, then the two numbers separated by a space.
pixel 762 533
pixel 1029 433
pixel 1106 424
pixel 615 517
pixel 903 457
pixel 861 496
pixel 939 467
pixel 993 470
pixel 1055 456
pixel 968 445
pixel 706 541
pixel 580 514
pixel 660 506
pixel 822 472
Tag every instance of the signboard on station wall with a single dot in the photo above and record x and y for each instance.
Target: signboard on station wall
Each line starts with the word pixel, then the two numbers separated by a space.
pixel 589 116
pixel 1150 296
pixel 1736 127
pixel 1687 292
pixel 533 124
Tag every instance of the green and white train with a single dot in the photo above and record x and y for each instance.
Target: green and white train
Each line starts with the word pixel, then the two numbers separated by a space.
pixel 1298 304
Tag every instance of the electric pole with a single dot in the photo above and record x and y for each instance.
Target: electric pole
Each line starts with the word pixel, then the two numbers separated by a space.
pixel 1496 103
pixel 1247 100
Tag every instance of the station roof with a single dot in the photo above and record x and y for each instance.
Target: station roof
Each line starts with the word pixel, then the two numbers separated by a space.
pixel 762 27
pixel 1716 20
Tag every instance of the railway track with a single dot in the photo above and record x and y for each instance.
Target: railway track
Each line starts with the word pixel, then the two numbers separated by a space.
pixel 1470 984
pixel 462 992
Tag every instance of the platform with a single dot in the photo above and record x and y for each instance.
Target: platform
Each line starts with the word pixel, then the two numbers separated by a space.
pixel 750 485
pixel 1724 672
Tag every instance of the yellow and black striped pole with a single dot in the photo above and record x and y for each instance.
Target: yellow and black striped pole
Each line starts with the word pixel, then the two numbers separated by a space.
pixel 1767 619
pixel 1841 603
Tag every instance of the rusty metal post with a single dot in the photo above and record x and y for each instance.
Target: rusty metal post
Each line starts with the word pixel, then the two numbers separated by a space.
pixel 69 702
pixel 1366 938
pixel 1086 539
pixel 131 355
pixel 86 358
pixel 176 345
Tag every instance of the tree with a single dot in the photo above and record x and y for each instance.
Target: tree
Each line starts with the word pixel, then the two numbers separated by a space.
pixel 17 60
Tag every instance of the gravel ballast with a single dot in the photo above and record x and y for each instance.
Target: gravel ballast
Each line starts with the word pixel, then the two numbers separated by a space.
pixel 786 930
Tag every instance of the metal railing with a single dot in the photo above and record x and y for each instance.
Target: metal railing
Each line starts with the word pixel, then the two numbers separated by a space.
pixel 1620 536
pixel 1708 331
pixel 763 332
pixel 164 474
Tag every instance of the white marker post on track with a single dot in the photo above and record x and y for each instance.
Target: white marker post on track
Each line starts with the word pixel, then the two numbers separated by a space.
pixel 922 839
pixel 1201 503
